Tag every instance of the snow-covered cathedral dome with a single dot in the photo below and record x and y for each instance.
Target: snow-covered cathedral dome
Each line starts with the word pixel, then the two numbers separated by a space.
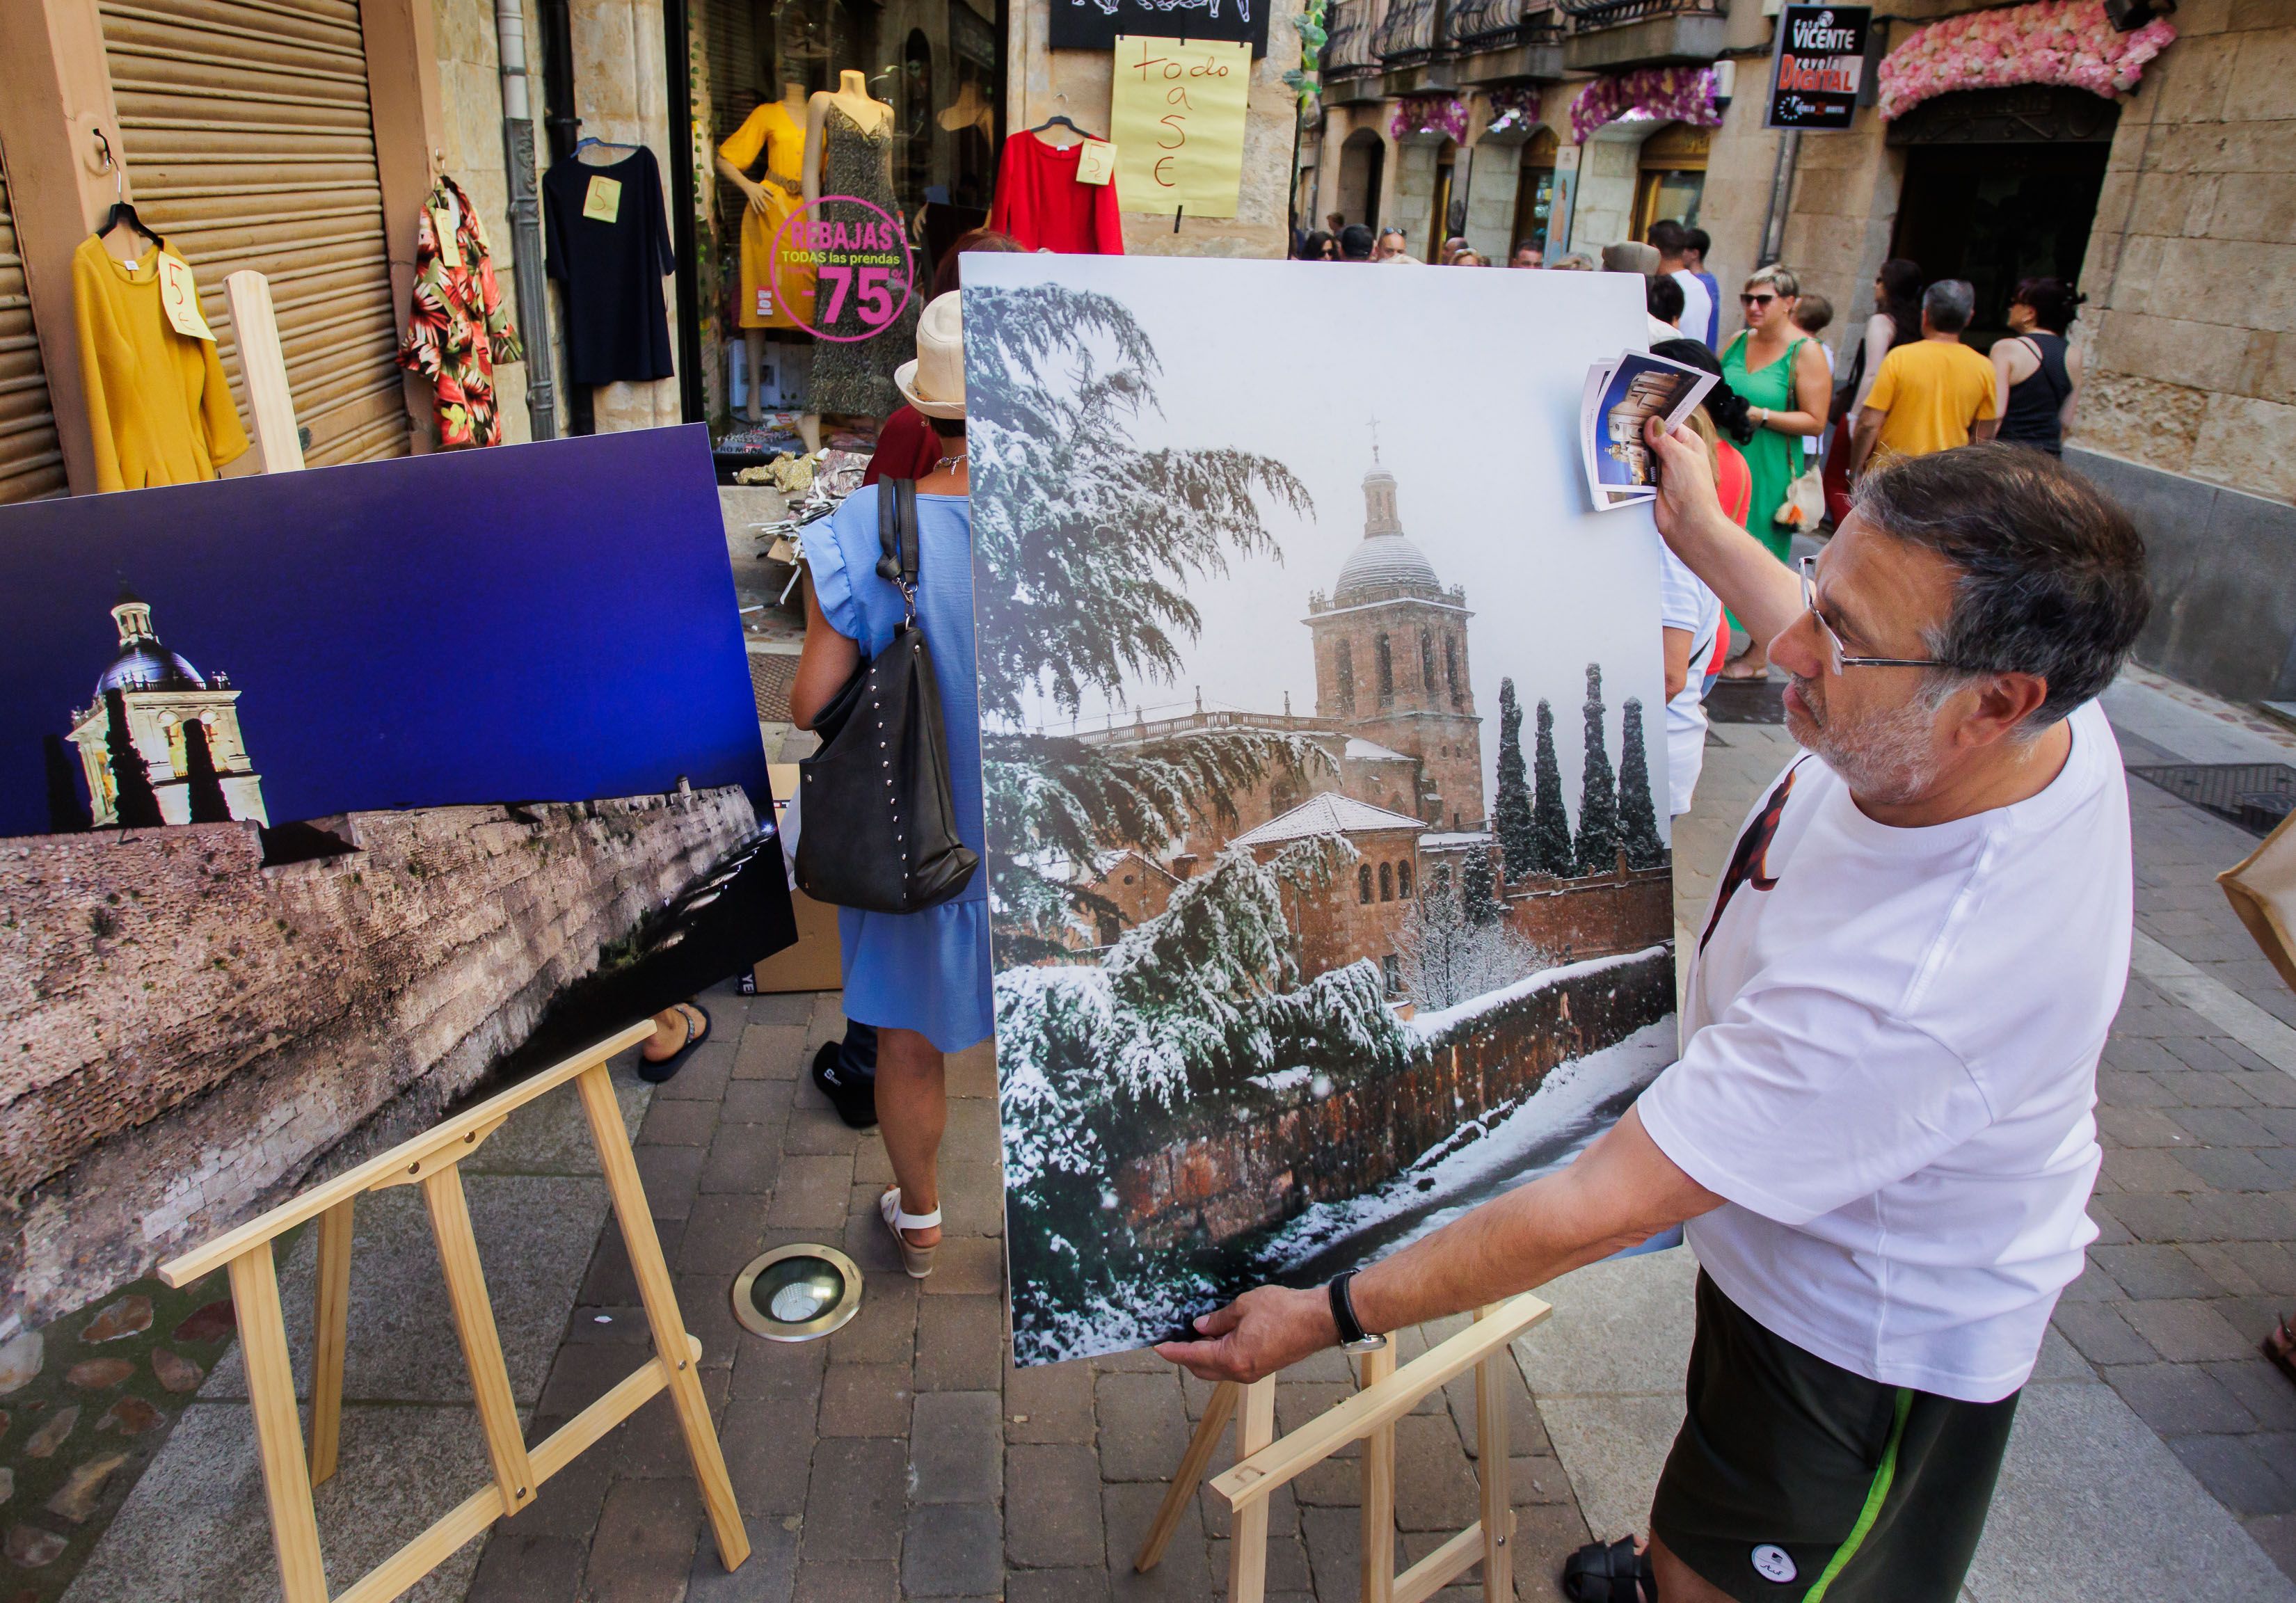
pixel 1386 563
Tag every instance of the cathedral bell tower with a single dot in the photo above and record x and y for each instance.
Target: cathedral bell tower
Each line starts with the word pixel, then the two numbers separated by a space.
pixel 1391 661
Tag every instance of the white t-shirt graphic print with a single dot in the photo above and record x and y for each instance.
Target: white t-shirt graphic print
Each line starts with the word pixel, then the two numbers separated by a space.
pixel 1889 1069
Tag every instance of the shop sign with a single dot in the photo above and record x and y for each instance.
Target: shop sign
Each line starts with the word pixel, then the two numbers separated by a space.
pixel 1818 67
pixel 842 268
pixel 1178 113
pixel 1097 24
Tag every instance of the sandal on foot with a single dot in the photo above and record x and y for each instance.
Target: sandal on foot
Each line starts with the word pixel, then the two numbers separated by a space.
pixel 1609 1573
pixel 854 1096
pixel 917 1260
pixel 656 1073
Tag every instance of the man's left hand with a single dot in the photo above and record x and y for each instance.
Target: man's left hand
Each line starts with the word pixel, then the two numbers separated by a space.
pixel 1266 1330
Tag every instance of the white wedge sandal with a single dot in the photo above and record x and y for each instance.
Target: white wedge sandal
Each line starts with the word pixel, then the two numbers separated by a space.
pixel 917 1260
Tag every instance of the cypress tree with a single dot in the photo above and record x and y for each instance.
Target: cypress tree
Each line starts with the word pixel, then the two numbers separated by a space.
pixel 1517 844
pixel 1637 814
pixel 135 803
pixel 200 779
pixel 1478 896
pixel 1550 821
pixel 1597 849
pixel 67 813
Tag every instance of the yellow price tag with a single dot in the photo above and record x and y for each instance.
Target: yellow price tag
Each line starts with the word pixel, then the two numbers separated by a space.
pixel 1096 161
pixel 442 229
pixel 179 296
pixel 603 201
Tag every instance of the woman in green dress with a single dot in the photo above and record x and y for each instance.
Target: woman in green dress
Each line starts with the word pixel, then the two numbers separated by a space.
pixel 1782 375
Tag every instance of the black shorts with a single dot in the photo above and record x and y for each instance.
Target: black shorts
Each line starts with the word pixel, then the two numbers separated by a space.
pixel 1793 1479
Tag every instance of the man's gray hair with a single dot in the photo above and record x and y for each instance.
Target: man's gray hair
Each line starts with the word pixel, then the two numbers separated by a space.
pixel 2052 573
pixel 1950 302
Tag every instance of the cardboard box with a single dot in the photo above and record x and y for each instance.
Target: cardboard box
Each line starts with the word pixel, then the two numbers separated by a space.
pixel 817 962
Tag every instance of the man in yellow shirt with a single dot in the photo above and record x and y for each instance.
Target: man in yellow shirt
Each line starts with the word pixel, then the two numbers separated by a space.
pixel 1930 394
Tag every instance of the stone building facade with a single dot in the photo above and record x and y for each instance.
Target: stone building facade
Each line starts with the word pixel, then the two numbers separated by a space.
pixel 2173 204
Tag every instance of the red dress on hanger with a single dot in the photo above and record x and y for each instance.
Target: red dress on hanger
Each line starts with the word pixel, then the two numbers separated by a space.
pixel 1040 203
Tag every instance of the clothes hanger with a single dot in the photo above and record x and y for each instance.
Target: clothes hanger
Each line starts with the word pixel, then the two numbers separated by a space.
pixel 123 209
pixel 585 143
pixel 1060 119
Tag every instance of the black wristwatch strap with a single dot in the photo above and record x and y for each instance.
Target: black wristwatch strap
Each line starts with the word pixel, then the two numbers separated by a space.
pixel 1344 1310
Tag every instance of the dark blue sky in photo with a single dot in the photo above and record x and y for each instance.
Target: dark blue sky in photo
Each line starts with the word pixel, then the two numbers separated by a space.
pixel 551 622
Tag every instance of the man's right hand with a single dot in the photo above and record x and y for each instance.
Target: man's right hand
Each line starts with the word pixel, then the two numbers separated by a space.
pixel 1687 495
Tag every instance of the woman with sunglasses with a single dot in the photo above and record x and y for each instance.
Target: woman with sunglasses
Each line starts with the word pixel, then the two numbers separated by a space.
pixel 1781 375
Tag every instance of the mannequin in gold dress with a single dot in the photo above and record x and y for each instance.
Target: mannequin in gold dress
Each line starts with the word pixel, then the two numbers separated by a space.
pixel 776 130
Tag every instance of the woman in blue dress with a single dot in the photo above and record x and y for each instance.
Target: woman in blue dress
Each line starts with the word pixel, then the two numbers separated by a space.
pixel 921 979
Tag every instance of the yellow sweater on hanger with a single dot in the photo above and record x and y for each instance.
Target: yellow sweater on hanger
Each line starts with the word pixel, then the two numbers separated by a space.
pixel 159 411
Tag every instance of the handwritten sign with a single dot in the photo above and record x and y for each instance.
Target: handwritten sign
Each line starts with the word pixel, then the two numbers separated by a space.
pixel 1818 67
pixel 1177 113
pixel 179 296
pixel 1095 162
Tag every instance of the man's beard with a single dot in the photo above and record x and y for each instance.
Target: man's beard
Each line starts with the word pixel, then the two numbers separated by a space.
pixel 1884 757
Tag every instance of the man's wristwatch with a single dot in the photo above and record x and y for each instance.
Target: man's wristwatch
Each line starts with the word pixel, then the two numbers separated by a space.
pixel 1353 1336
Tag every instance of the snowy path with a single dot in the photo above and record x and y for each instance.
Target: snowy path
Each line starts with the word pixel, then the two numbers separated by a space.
pixel 1577 1102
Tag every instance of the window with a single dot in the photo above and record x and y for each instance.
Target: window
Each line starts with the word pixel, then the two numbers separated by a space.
pixel 1403 882
pixel 1392 966
pixel 1534 194
pixel 1386 670
pixel 1427 663
pixel 1386 883
pixel 1363 882
pixel 1111 929
pixel 1671 179
pixel 1451 669
pixel 1347 676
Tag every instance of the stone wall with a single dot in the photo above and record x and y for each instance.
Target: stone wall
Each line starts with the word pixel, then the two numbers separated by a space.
pixel 188 1033
pixel 1568 919
pixel 1317 1144
pixel 2192 305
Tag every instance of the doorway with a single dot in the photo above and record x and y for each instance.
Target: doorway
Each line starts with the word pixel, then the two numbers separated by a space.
pixel 1362 164
pixel 1534 192
pixel 1438 210
pixel 1670 176
pixel 2002 184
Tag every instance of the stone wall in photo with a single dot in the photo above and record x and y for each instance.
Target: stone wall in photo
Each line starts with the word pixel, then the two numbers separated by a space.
pixel 187 1034
pixel 1325 1143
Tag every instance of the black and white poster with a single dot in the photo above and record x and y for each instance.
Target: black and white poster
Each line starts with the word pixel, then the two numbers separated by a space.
pixel 1094 24
pixel 1819 67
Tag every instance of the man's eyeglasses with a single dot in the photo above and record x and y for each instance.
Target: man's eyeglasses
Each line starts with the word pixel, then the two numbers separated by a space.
pixel 1836 657
pixel 1756 301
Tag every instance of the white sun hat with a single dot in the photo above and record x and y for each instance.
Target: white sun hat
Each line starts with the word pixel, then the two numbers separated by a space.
pixel 934 382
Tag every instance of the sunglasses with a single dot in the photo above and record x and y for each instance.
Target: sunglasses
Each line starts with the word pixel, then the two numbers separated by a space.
pixel 1756 301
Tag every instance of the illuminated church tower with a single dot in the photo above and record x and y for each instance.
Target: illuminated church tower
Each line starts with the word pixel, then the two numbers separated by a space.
pixel 183 725
pixel 1391 661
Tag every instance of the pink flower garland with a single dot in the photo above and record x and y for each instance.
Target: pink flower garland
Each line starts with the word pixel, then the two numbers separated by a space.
pixel 2067 42
pixel 1429 114
pixel 1666 94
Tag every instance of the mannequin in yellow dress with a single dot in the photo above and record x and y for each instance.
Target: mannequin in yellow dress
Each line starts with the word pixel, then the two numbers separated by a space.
pixel 777 129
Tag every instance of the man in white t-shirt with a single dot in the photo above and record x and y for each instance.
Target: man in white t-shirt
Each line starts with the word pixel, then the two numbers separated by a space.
pixel 1671 240
pixel 1880 1130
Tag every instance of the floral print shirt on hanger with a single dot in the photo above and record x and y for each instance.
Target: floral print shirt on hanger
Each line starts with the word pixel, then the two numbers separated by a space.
pixel 457 328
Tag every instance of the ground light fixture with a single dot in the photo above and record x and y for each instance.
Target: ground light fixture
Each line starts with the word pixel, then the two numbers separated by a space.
pixel 796 1293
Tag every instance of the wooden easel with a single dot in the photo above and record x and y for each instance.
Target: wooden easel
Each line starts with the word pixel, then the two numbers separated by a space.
pixel 1387 1394
pixel 432 1160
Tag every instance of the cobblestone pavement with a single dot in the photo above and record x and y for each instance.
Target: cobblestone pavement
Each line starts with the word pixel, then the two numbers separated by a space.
pixel 903 1458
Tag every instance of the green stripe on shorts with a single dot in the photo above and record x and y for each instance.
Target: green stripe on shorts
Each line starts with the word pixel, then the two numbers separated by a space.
pixel 1876 1496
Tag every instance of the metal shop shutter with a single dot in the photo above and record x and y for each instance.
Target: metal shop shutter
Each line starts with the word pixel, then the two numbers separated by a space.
pixel 30 463
pixel 250 145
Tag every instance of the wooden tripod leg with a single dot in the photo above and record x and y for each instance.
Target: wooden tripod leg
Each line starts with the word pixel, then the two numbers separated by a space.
pixel 1189 1475
pixel 1491 1459
pixel 1379 1492
pixel 1247 1547
pixel 278 1434
pixel 474 1324
pixel 331 1316
pixel 660 1299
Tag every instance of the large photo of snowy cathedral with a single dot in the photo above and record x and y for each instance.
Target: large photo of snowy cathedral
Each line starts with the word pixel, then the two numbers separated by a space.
pixel 1329 875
